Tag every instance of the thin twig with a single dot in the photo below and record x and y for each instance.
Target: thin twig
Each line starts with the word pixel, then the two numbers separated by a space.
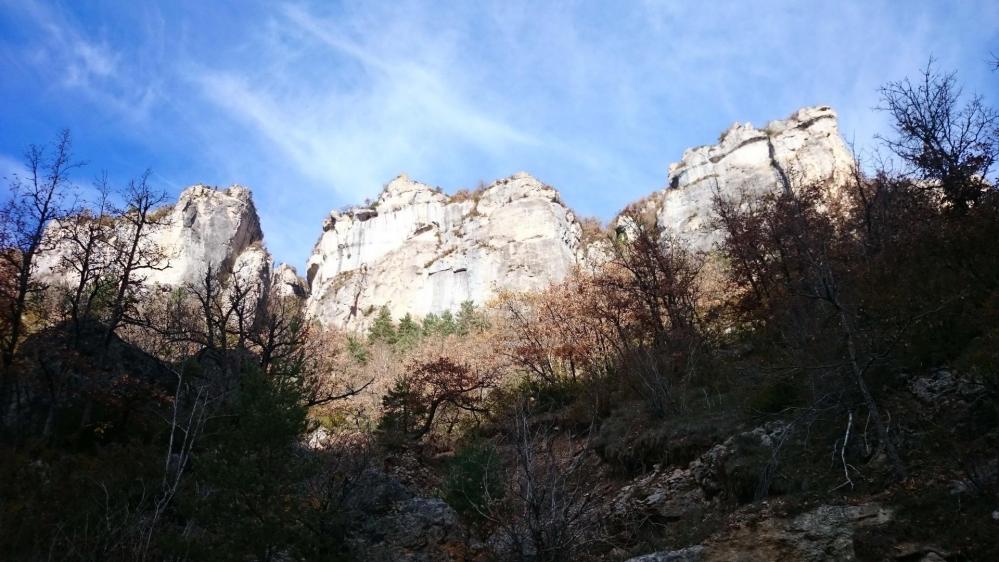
pixel 842 455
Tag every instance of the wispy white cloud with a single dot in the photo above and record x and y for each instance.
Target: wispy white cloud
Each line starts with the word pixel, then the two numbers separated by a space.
pixel 353 138
pixel 10 167
pixel 66 57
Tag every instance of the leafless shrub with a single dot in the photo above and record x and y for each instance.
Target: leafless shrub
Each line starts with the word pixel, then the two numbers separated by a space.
pixel 547 509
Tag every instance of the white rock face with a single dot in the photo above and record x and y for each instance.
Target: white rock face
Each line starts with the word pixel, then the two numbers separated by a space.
pixel 285 283
pixel 211 226
pixel 804 148
pixel 419 251
pixel 205 226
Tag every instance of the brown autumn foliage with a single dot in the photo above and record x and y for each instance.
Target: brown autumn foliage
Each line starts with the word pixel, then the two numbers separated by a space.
pixel 844 291
pixel 550 334
pixel 433 390
pixel 636 319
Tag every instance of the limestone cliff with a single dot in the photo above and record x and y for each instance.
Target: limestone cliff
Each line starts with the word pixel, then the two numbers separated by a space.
pixel 285 283
pixel 206 226
pixel 417 250
pixel 212 226
pixel 806 147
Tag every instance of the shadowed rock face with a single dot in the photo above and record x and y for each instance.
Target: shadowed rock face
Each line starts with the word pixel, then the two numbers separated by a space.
pixel 804 148
pixel 419 251
pixel 285 283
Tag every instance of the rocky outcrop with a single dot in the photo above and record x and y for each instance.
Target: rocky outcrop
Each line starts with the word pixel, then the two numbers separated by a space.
pixel 419 530
pixel 748 162
pixel 285 283
pixel 390 523
pixel 417 250
pixel 211 226
pixel 825 533
pixel 669 494
pixel 690 554
pixel 206 227
pixel 729 474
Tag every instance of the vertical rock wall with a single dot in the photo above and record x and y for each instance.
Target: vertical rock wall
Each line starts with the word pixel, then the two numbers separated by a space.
pixel 747 162
pixel 418 251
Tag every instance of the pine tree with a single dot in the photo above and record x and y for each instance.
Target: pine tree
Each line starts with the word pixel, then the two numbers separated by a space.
pixel 447 325
pixel 431 323
pixel 383 328
pixel 470 320
pixel 357 349
pixel 250 464
pixel 403 408
pixel 408 333
pixel 439 325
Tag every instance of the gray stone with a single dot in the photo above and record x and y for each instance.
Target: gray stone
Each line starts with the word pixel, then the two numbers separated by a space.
pixel 823 534
pixel 417 530
pixel 285 283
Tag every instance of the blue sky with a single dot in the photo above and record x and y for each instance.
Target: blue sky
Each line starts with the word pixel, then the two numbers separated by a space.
pixel 317 105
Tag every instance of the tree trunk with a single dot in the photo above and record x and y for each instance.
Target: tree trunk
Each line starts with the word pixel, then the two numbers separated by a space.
pixel 872 406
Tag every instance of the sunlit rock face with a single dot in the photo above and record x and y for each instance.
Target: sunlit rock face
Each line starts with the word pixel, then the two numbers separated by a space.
pixel 417 250
pixel 211 226
pixel 747 162
pixel 207 226
pixel 286 284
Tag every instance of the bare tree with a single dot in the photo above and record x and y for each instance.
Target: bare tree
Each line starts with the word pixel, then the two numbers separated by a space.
pixel 134 252
pixel 280 333
pixel 662 277
pixel 88 233
pixel 189 413
pixel 795 265
pixel 226 315
pixel 317 357
pixel 244 302
pixel 547 509
pixel 36 200
pixel 209 294
pixel 547 335
pixel 954 146
pixel 658 276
